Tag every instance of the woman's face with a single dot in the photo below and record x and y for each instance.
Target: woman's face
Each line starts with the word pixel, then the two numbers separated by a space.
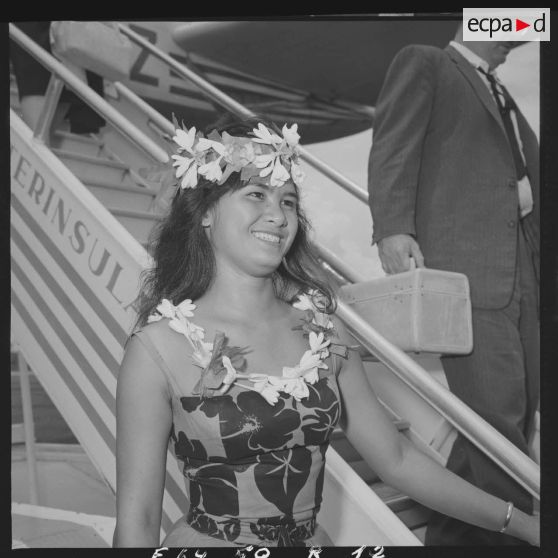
pixel 252 228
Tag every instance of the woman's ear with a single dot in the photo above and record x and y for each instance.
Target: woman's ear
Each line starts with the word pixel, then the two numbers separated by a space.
pixel 207 219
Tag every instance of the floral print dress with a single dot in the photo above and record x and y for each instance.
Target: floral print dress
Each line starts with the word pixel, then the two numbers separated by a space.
pixel 253 464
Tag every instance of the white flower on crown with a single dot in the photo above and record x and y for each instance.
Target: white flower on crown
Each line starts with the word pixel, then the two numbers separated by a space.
pixel 297 174
pixel 194 161
pixel 238 153
pixel 283 151
pixel 212 170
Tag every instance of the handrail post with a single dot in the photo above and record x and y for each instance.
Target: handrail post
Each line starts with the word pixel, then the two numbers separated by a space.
pixel 52 96
pixel 28 427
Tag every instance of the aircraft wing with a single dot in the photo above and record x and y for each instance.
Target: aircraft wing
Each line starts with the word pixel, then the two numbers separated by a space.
pixel 330 59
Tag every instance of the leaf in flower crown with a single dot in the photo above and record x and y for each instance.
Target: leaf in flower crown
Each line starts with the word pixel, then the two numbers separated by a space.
pixel 248 172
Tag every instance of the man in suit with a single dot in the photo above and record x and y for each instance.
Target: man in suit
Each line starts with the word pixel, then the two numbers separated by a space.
pixel 454 184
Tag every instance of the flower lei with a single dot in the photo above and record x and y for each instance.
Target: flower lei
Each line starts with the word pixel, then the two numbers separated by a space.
pixel 220 363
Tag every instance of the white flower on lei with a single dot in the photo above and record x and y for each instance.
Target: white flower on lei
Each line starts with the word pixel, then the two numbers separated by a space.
pixel 186 308
pixel 297 388
pixel 307 368
pixel 318 344
pixel 202 355
pixel 166 308
pixel 267 390
pixel 180 324
pixel 304 302
pixel 195 332
pixel 231 372
pixel 230 377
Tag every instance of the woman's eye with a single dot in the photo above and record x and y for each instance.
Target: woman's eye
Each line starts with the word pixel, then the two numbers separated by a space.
pixel 257 195
pixel 291 204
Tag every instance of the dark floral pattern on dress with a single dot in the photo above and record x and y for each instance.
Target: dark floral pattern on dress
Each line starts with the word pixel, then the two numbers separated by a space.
pixel 320 478
pixel 284 530
pixel 210 406
pixel 212 484
pixel 318 426
pixel 252 425
pixel 226 529
pixel 280 476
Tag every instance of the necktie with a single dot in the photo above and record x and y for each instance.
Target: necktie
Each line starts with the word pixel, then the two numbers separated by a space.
pixel 505 109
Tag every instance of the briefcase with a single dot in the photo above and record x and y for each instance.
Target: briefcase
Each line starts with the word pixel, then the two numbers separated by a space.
pixel 422 310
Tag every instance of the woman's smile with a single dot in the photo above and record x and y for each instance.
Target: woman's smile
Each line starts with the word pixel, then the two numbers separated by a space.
pixel 268 237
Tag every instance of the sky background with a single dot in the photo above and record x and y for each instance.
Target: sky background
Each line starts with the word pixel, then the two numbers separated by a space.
pixel 343 223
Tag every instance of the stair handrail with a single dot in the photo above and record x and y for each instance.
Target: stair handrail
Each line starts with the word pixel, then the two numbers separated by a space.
pixel 483 435
pixel 95 101
pixel 498 448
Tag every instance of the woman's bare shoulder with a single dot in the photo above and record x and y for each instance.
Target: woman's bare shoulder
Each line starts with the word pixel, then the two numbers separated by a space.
pixel 172 352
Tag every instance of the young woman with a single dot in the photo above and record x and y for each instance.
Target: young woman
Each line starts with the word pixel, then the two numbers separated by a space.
pixel 239 363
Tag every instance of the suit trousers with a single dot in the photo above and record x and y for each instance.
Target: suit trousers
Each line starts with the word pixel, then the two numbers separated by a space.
pixel 500 381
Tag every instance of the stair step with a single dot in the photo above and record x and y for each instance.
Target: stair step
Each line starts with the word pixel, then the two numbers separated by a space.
pixel 363 470
pixel 138 223
pixel 88 168
pixel 120 196
pixel 345 449
pixel 400 424
pixel 76 143
pixel 413 514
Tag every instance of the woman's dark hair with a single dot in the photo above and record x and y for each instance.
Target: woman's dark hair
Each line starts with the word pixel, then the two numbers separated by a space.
pixel 183 259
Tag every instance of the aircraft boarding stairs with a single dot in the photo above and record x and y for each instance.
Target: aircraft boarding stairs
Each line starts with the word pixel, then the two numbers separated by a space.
pixel 124 193
pixel 74 277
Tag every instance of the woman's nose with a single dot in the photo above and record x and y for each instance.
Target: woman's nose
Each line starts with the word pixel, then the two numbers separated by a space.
pixel 276 214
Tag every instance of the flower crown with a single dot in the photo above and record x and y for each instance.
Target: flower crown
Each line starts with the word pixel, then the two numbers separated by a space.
pixel 216 156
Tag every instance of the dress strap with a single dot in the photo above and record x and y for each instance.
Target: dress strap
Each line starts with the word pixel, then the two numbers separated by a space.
pixel 145 339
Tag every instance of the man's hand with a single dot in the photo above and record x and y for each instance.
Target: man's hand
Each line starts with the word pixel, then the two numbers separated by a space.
pixel 395 252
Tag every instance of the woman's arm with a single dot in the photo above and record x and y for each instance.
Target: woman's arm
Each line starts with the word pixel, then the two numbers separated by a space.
pixel 402 465
pixel 143 425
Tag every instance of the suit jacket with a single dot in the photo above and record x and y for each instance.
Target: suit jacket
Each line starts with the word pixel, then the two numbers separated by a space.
pixel 441 168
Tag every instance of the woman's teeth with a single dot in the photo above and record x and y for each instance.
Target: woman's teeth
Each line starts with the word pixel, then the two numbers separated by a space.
pixel 267 237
